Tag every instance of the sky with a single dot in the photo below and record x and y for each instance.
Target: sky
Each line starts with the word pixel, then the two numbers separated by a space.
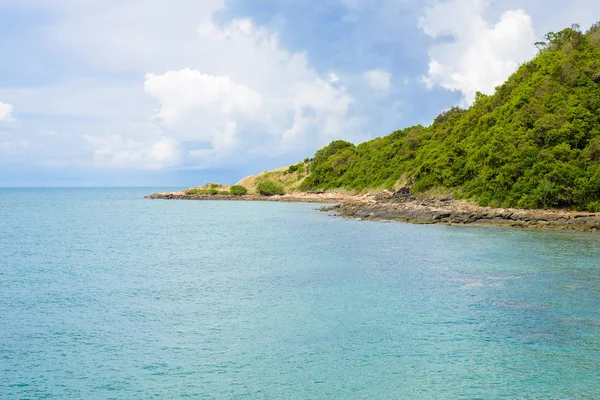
pixel 182 92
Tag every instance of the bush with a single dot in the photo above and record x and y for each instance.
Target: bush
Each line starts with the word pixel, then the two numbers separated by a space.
pixel 212 192
pixel 270 189
pixel 296 167
pixel 594 206
pixel 238 190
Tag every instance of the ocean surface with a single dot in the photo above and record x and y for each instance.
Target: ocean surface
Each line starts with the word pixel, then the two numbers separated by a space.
pixel 106 295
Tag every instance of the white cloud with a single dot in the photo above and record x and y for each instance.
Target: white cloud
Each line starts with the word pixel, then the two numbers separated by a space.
pixel 198 107
pixel 481 56
pixel 185 91
pixel 116 151
pixel 221 94
pixel 6 111
pixel 379 79
pixel 251 96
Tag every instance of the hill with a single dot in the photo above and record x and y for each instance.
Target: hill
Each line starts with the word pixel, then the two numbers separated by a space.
pixel 288 178
pixel 534 143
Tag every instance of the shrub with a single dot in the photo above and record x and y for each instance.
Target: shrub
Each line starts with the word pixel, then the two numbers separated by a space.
pixel 592 152
pixel 197 191
pixel 594 206
pixel 296 167
pixel 269 188
pixel 238 190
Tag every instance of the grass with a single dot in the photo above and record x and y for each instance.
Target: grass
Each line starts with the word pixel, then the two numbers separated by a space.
pixel 289 178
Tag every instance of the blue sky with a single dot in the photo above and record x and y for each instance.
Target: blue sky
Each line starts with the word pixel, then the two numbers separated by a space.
pixel 179 92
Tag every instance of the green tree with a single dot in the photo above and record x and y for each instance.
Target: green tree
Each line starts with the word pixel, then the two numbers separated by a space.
pixel 534 143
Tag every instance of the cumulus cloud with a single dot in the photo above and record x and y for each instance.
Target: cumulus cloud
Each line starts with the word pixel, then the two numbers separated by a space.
pixel 378 79
pixel 185 91
pixel 480 55
pixel 219 94
pixel 6 111
pixel 174 88
pixel 197 107
pixel 252 95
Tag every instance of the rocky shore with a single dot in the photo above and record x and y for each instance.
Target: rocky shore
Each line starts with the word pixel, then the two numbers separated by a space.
pixel 404 207
pixel 431 210
pixel 290 198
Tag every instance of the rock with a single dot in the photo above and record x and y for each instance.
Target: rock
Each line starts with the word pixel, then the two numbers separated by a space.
pixel 385 195
pixel 402 206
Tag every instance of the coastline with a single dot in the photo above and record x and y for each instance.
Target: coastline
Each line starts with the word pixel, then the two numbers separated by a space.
pixel 326 198
pixel 420 210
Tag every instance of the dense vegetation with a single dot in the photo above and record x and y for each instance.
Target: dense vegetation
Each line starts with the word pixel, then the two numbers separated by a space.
pixel 269 188
pixel 535 143
pixel 238 190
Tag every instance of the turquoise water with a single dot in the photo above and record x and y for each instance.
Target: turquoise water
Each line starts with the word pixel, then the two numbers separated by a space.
pixel 106 295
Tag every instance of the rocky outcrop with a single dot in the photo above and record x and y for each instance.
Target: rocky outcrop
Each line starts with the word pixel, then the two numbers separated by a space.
pixel 405 207
pixel 183 196
pixel 299 197
pixel 452 212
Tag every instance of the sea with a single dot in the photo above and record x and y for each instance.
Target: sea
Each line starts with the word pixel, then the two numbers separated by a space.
pixel 106 295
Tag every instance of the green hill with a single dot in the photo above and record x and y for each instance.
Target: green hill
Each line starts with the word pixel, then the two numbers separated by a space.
pixel 535 143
